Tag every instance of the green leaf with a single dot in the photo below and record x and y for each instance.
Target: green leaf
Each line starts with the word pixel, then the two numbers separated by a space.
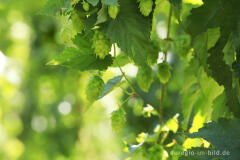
pixel 199 93
pixel 226 15
pixel 176 150
pixel 213 37
pixel 102 15
pixel 131 31
pixel 222 73
pixel 110 2
pixel 224 135
pixel 93 2
pixel 118 119
pixel 176 3
pixel 121 60
pixel 172 124
pixel 52 7
pixel 220 109
pixel 82 57
pixel 145 78
pixel 203 43
pixel 106 2
pixel 110 85
pixel 228 51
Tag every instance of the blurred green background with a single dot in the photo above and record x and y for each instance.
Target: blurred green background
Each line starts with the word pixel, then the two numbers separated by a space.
pixel 43 111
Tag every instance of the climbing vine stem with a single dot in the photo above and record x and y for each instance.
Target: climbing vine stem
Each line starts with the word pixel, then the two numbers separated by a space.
pixel 130 84
pixel 163 86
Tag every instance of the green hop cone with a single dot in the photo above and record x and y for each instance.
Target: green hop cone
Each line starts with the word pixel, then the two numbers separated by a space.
pixel 85 6
pixel 118 119
pixel 145 7
pixel 144 78
pixel 152 58
pixel 78 22
pixel 101 45
pixel 113 11
pixel 94 88
pixel 164 72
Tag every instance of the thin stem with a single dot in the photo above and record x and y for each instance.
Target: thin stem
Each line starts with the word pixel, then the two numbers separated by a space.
pixel 130 84
pixel 163 84
pixel 168 28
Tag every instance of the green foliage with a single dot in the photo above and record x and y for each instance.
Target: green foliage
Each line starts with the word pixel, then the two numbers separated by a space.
pixel 144 78
pixel 85 6
pixel 145 7
pixel 113 11
pixel 52 7
pixel 176 3
pixel 78 22
pixel 110 2
pixel 118 120
pixel 133 39
pixel 223 135
pixel 106 2
pixel 164 72
pixel 93 2
pixel 110 85
pixel 82 57
pixel 182 45
pixel 95 88
pixel 101 45
pixel 121 60
pixel 223 14
pixel 157 152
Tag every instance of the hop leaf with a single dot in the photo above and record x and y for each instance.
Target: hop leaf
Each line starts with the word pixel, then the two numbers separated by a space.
pixel 145 7
pixel 94 88
pixel 67 32
pixel 182 45
pixel 101 45
pixel 113 11
pixel 138 107
pixel 164 73
pixel 78 22
pixel 85 6
pixel 118 119
pixel 144 78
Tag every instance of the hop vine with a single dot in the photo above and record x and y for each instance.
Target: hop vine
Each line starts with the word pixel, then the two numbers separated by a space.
pixel 101 44
pixel 94 88
pixel 145 7
pixel 164 72
pixel 113 11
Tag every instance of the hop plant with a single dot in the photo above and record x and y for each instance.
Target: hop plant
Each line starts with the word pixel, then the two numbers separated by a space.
pixel 85 6
pixel 164 73
pixel 145 7
pixel 101 45
pixel 157 152
pixel 152 58
pixel 78 22
pixel 183 45
pixel 94 88
pixel 113 11
pixel 118 120
pixel 67 32
pixel 144 78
